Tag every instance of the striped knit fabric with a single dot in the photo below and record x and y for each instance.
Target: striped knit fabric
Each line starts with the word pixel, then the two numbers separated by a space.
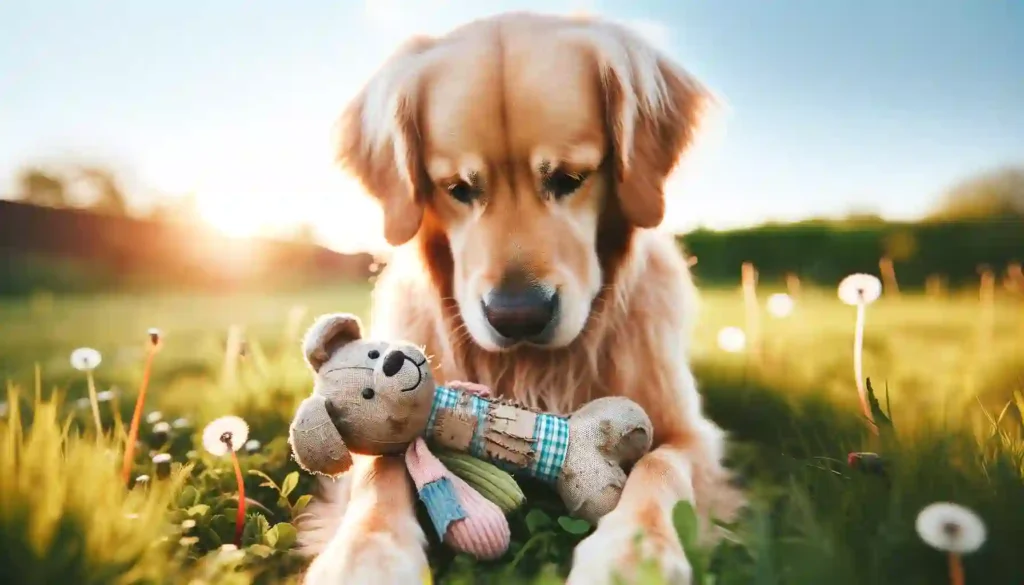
pixel 462 517
pixel 550 434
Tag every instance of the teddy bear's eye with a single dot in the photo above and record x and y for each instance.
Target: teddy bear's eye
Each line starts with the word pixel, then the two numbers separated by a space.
pixel 374 354
pixel 368 393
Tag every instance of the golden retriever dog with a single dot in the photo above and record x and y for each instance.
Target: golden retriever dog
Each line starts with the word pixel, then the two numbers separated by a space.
pixel 520 162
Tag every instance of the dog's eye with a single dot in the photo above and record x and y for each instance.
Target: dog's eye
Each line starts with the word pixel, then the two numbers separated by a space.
pixel 561 184
pixel 462 192
pixel 368 393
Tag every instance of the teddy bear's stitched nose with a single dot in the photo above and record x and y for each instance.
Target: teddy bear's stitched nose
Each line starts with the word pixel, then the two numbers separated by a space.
pixel 393 363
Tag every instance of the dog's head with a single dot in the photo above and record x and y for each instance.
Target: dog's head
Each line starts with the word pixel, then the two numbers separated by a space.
pixel 522 151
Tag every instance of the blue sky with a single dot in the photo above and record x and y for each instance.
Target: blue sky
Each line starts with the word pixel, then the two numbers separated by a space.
pixel 831 105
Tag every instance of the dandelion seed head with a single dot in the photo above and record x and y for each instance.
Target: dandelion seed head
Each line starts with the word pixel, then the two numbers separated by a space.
pixel 732 339
pixel 225 434
pixel 860 288
pixel 780 305
pixel 85 359
pixel 950 527
pixel 155 336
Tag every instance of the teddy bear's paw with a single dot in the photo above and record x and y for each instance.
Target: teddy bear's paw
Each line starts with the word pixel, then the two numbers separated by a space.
pixel 623 550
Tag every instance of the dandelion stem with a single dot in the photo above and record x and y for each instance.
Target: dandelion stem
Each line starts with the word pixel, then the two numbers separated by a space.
pixel 858 361
pixel 956 569
pixel 94 401
pixel 240 519
pixel 133 431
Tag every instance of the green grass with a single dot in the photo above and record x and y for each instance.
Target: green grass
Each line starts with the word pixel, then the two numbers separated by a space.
pixel 957 436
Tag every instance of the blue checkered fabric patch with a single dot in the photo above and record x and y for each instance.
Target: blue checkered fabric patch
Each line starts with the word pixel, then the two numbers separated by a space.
pixel 550 434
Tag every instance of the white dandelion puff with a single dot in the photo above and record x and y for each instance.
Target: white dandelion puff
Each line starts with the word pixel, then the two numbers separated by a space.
pixel 780 305
pixel 225 434
pixel 732 339
pixel 85 359
pixel 860 289
pixel 951 528
pixel 162 458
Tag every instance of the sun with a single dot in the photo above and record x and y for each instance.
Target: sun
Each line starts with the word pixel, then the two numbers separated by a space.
pixel 227 215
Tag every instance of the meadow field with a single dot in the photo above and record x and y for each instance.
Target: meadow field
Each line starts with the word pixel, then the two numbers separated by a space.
pixel 949 376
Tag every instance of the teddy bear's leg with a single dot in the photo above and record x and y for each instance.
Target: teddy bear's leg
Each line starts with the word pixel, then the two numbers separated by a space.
pixel 606 436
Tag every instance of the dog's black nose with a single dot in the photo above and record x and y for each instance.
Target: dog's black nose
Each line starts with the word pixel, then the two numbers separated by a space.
pixel 393 362
pixel 518 309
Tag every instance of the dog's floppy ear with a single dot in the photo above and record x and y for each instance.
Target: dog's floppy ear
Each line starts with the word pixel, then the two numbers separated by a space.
pixel 652 109
pixel 380 143
pixel 328 333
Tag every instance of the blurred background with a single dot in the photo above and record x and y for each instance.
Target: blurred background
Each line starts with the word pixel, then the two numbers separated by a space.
pixel 158 151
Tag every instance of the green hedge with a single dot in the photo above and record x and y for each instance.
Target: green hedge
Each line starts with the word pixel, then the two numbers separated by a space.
pixel 825 252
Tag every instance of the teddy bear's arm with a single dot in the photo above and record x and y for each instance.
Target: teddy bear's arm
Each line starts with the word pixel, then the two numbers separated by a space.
pixel 316 443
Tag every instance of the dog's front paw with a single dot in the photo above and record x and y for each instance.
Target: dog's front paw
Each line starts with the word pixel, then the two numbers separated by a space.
pixel 369 558
pixel 624 548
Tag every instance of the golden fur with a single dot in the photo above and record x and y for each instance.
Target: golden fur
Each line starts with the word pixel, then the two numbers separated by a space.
pixel 498 106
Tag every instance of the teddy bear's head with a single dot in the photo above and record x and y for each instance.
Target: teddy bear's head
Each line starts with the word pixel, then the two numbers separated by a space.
pixel 378 394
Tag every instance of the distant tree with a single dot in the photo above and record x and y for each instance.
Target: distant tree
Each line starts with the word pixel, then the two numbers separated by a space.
pixel 107 195
pixel 41 187
pixel 994 193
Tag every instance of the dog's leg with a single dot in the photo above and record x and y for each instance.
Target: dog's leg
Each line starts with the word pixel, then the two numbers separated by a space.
pixel 379 541
pixel 684 465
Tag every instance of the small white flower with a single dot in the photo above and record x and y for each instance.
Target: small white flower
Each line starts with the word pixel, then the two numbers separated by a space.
pixel 252 445
pixel 732 339
pixel 780 304
pixel 105 395
pixel 860 288
pixel 154 417
pixel 227 433
pixel 188 524
pixel 161 428
pixel 950 527
pixel 85 359
pixel 161 458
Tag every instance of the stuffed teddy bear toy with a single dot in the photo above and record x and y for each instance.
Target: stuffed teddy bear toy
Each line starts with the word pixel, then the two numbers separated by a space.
pixel 377 397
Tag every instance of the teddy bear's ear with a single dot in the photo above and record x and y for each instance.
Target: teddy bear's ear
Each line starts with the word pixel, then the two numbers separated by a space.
pixel 328 333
